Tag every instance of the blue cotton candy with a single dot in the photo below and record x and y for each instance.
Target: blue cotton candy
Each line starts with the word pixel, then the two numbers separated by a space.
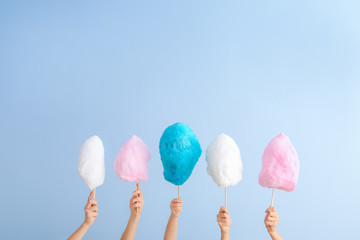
pixel 179 150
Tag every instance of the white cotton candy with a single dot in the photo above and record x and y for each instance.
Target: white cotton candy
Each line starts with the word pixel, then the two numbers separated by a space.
pixel 91 162
pixel 224 161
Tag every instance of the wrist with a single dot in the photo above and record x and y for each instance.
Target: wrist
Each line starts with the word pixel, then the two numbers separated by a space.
pixel 86 224
pixel 273 232
pixel 134 215
pixel 174 215
pixel 224 232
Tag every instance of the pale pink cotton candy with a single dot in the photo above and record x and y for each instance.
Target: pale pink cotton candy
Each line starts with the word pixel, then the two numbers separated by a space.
pixel 280 165
pixel 131 164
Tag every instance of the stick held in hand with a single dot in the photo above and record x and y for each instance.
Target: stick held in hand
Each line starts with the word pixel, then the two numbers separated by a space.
pixel 225 197
pixel 273 194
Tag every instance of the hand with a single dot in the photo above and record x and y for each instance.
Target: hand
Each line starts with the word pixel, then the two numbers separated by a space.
pixel 176 207
pixel 223 219
pixel 271 219
pixel 91 210
pixel 137 202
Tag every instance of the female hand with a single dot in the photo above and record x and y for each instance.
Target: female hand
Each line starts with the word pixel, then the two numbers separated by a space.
pixel 271 219
pixel 176 207
pixel 137 202
pixel 91 210
pixel 223 219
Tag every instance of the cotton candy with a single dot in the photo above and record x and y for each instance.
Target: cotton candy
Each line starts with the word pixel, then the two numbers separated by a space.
pixel 280 165
pixel 131 164
pixel 91 165
pixel 224 163
pixel 180 150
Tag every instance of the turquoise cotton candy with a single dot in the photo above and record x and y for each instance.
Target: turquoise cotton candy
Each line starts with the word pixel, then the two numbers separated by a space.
pixel 179 150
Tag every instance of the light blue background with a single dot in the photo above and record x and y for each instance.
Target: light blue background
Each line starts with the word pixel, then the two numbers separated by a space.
pixel 251 69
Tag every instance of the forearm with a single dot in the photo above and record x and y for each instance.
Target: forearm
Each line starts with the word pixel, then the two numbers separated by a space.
pixel 275 235
pixel 130 230
pixel 171 228
pixel 225 235
pixel 80 232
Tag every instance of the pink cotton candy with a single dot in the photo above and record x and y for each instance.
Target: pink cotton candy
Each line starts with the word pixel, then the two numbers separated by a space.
pixel 280 165
pixel 131 164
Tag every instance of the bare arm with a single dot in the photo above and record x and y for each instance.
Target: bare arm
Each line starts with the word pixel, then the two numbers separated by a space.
pixel 130 230
pixel 136 205
pixel 91 212
pixel 224 221
pixel 80 232
pixel 171 228
pixel 271 221
pixel 275 236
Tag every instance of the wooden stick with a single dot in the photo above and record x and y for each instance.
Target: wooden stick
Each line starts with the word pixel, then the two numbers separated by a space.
pixel 225 196
pixel 94 192
pixel 272 200
pixel 178 192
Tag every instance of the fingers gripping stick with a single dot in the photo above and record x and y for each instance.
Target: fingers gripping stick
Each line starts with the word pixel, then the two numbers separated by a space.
pixel 137 188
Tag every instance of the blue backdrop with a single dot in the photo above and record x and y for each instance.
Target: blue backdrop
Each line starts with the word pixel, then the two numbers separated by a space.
pixel 250 69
